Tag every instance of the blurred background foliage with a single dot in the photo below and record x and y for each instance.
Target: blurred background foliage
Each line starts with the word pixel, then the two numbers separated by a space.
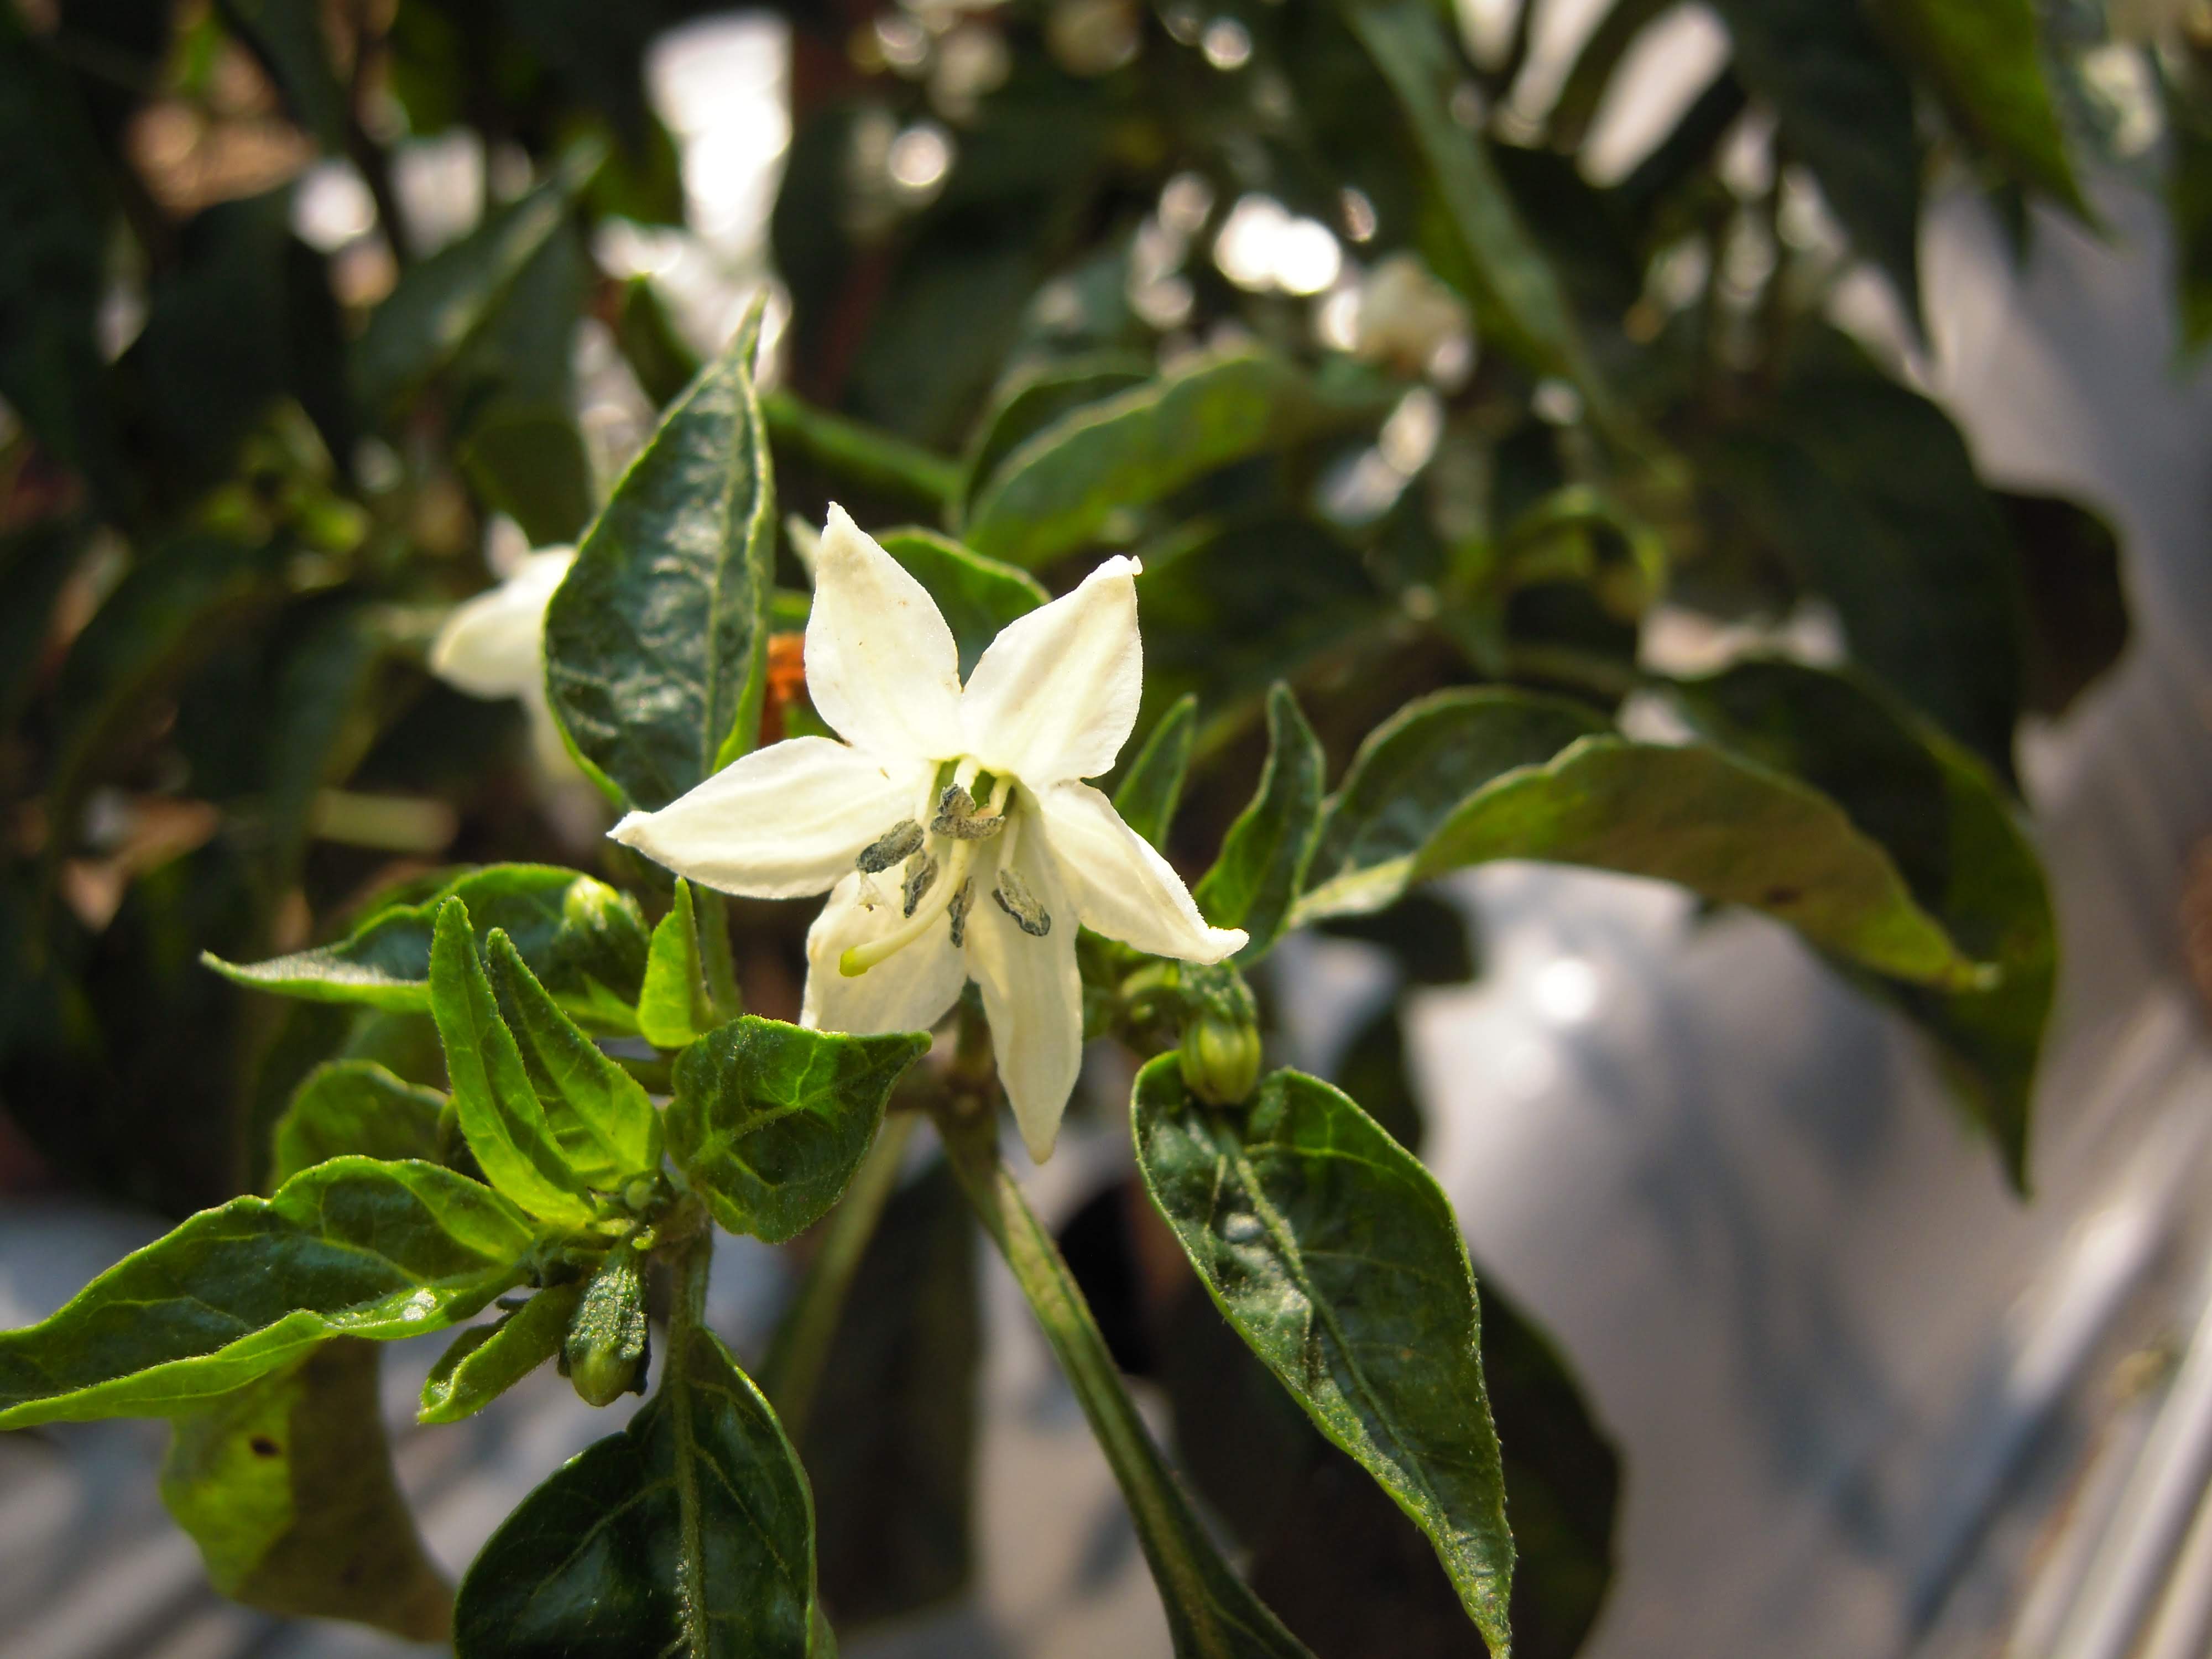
pixel 1411 346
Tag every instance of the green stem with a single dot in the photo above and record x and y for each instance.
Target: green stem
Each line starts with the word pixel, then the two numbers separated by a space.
pixel 793 1371
pixel 873 459
pixel 712 913
pixel 1211 1615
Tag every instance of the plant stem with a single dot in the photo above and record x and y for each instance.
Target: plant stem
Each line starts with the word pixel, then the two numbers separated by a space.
pixel 792 1371
pixel 871 459
pixel 713 927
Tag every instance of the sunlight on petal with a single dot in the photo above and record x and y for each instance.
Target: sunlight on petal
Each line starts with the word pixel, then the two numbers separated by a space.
pixel 1056 694
pixel 909 991
pixel 881 667
pixel 1122 886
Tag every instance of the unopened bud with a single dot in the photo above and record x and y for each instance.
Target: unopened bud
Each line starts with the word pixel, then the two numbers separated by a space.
pixel 1219 1058
pixel 608 1343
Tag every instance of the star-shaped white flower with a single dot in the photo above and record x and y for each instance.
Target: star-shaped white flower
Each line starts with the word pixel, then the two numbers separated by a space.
pixel 493 646
pixel 951 827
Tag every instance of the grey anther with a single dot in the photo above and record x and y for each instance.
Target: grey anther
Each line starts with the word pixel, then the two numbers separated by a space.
pixel 921 876
pixel 963 902
pixel 1017 901
pixel 956 817
pixel 902 840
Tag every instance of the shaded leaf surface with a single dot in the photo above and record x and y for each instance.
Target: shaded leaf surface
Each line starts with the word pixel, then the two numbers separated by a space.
pixel 1263 857
pixel 1150 791
pixel 351 1247
pixel 355 1107
pixel 1038 399
pixel 1337 1258
pixel 769 1121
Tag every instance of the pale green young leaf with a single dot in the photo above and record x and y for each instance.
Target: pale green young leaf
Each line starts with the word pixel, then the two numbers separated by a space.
pixel 350 1248
pixel 656 643
pixel 287 1486
pixel 1263 857
pixel 485 1361
pixel 355 1107
pixel 1337 1258
pixel 769 1121
pixel 689 1535
pixel 500 1112
pixel 673 1006
pixel 1151 789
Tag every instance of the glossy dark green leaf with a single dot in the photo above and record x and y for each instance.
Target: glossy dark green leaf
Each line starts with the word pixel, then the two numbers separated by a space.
pixel 1150 791
pixel 355 1107
pixel 1041 397
pixel 600 1116
pixel 978 596
pixel 655 644
pixel 1952 832
pixel 1413 772
pixel 2077 601
pixel 1263 857
pixel 585 943
pixel 1986 63
pixel 495 1096
pixel 769 1121
pixel 286 1484
pixel 1210 1613
pixel 689 1535
pixel 350 1248
pixel 1846 111
pixel 528 461
pixel 1520 297
pixel 1060 488
pixel 485 1361
pixel 442 305
pixel 890 1444
pixel 1337 1258
pixel 673 1004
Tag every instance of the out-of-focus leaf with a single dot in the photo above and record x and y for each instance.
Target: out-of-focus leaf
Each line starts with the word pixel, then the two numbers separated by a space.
pixel 1567 122
pixel 689 1535
pixel 529 462
pixel 1063 486
pixel 585 943
pixel 350 1248
pixel 1337 1258
pixel 978 596
pixel 769 1121
pixel 1263 857
pixel 1947 824
pixel 1846 111
pixel 1986 63
pixel 1683 151
pixel 656 644
pixel 2077 607
pixel 854 453
pixel 287 38
pixel 1041 397
pixel 485 1361
pixel 892 1443
pixel 1372 1072
pixel 1149 793
pixel 661 358
pixel 1431 939
pixel 1413 772
pixel 34 562
pixel 2189 203
pixel 355 1107
pixel 674 1007
pixel 508 1129
pixel 324 717
pixel 286 1486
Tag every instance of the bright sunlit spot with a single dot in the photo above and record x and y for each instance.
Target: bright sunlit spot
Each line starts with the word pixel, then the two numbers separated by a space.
pixel 1564 990
pixel 1262 244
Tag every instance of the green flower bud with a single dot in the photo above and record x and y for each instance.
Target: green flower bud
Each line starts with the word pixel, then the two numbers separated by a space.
pixel 1220 1058
pixel 608 1343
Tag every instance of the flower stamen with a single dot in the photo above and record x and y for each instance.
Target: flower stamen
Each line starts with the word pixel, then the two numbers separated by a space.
pixel 931 891
pixel 1015 898
pixel 902 841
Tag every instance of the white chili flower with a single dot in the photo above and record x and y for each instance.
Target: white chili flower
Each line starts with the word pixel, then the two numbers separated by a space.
pixel 950 826
pixel 493 646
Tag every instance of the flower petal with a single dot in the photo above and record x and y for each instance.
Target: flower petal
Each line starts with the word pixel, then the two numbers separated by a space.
pixel 881 667
pixel 1055 695
pixel 493 645
pixel 909 992
pixel 1033 997
pixel 1124 889
pixel 779 823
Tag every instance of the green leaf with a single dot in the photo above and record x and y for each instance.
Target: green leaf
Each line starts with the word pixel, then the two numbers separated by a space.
pixel 2189 207
pixel 1210 1613
pixel 978 596
pixel 1065 486
pixel 600 1116
pixel 485 1361
pixel 879 462
pixel 355 1107
pixel 288 40
pixel 1263 857
pixel 442 304
pixel 35 561
pixel 528 461
pixel 1733 832
pixel 326 716
pixel 585 943
pixel 1986 64
pixel 286 1484
pixel 656 644
pixel 662 360
pixel 1521 301
pixel 1846 111
pixel 769 1121
pixel 689 1534
pixel 1151 789
pixel 493 1095
pixel 673 1006
pixel 2076 602
pixel 350 1248
pixel 1949 826
pixel 1041 397
pixel 1411 774
pixel 1336 1256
